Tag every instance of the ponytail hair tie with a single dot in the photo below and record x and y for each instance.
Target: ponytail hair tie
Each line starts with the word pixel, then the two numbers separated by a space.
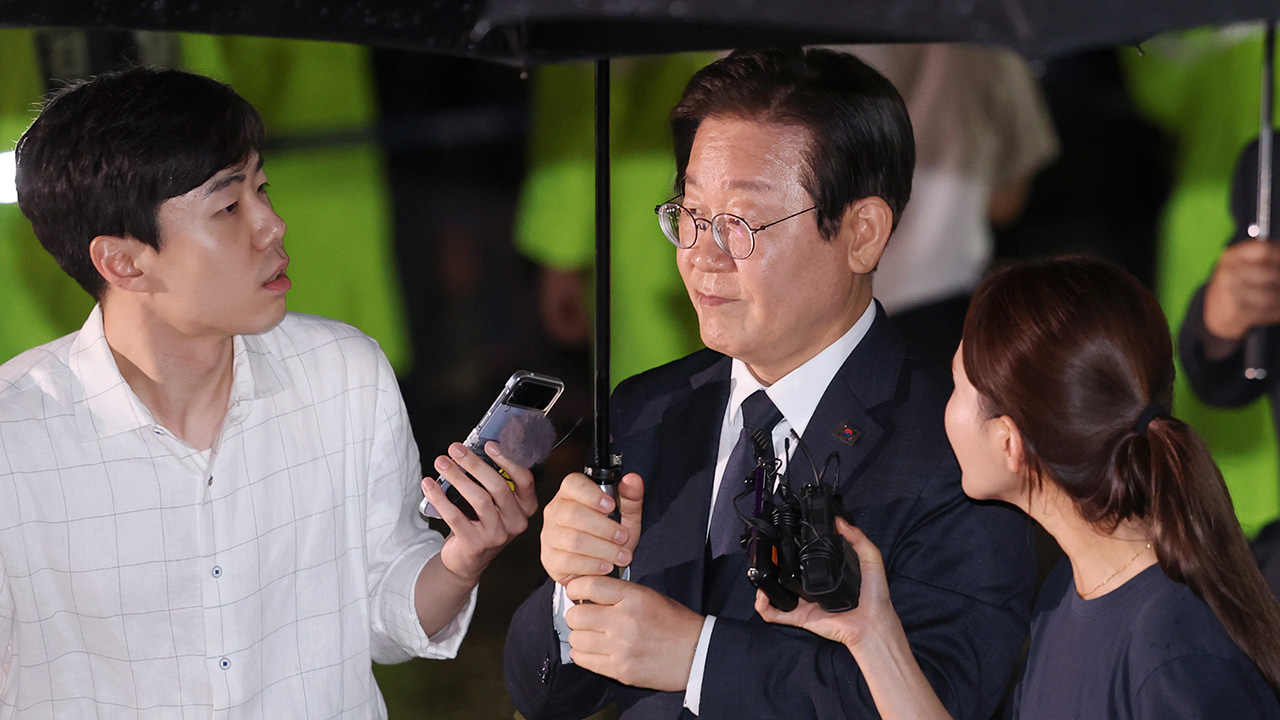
pixel 1148 414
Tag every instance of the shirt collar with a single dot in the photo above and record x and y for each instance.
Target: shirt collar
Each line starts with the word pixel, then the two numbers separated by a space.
pixel 256 372
pixel 105 405
pixel 796 394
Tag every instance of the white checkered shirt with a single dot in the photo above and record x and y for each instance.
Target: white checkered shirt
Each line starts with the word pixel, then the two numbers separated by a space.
pixel 142 578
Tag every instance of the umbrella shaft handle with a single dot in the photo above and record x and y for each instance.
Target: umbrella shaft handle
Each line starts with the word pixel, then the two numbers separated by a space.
pixel 1254 355
pixel 1266 133
pixel 611 489
pixel 1254 342
pixel 600 371
pixel 607 478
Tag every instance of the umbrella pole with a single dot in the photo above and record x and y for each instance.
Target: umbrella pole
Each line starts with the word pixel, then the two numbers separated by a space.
pixel 1255 365
pixel 605 468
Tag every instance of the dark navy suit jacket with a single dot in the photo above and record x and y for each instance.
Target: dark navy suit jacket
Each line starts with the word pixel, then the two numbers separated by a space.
pixel 961 573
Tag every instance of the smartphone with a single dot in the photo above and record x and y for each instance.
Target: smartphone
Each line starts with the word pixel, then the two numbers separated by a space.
pixel 525 392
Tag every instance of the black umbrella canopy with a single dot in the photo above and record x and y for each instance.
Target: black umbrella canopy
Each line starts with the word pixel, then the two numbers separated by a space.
pixel 441 26
pixel 556 30
pixel 538 31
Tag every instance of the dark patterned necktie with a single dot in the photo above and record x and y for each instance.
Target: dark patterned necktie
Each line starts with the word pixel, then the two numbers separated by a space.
pixel 758 413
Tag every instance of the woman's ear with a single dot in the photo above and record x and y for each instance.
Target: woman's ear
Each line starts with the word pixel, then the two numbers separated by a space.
pixel 867 224
pixel 1006 440
pixel 117 260
pixel 1014 454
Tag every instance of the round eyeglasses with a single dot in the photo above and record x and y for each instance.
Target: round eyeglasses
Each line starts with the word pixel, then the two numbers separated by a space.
pixel 734 236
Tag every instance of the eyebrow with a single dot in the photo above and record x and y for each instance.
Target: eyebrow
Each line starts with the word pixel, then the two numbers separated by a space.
pixel 227 180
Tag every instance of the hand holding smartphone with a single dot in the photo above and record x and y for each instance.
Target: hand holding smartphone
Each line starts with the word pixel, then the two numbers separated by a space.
pixel 525 394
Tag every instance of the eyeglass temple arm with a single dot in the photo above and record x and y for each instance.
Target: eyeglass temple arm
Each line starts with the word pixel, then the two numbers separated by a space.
pixel 775 222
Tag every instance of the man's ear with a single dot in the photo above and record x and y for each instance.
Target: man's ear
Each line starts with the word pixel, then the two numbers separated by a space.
pixel 867 223
pixel 117 260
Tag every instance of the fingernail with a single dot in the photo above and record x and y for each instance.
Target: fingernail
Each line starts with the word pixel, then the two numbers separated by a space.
pixel 492 449
pixel 620 536
pixel 622 559
pixel 606 503
pixel 606 567
pixel 442 464
pixel 457 450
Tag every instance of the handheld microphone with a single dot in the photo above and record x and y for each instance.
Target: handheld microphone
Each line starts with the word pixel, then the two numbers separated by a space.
pixel 794 549
pixel 526 440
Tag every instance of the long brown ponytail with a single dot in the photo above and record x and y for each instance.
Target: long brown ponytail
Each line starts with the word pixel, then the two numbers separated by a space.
pixel 1074 350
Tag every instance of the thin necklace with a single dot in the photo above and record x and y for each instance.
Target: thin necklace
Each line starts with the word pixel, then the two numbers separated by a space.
pixel 1114 574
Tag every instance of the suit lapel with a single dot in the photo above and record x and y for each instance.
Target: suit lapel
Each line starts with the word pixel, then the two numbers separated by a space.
pixel 670 556
pixel 845 423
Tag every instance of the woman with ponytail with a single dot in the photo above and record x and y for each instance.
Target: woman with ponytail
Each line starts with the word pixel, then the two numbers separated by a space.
pixel 1062 387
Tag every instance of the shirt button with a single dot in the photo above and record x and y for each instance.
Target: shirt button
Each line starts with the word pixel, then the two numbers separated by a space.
pixel 210 481
pixel 224 663
pixel 217 571
pixel 157 430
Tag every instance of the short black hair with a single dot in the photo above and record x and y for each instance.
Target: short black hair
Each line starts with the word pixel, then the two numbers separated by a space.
pixel 106 152
pixel 860 139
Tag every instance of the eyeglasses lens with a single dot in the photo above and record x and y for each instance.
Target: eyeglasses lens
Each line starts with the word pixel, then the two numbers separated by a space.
pixel 677 224
pixel 733 235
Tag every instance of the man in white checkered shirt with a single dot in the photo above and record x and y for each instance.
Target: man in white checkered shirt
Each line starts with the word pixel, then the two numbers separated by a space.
pixel 208 507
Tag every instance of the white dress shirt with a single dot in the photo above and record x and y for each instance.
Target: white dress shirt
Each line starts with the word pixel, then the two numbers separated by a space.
pixel 796 395
pixel 140 577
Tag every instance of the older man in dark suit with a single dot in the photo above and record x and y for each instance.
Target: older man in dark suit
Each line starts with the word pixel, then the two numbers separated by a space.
pixel 793 167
